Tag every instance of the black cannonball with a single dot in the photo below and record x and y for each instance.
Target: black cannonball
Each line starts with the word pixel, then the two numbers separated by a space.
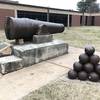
pixel 89 67
pixel 83 58
pixel 72 74
pixel 94 59
pixel 94 77
pixel 77 66
pixel 97 69
pixel 82 75
pixel 89 50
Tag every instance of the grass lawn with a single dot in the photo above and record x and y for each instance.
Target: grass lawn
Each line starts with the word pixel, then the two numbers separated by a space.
pixel 81 36
pixel 67 90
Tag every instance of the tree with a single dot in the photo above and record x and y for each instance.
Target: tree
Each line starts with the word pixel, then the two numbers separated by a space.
pixel 88 6
pixel 90 1
pixel 82 6
pixel 11 1
pixel 93 8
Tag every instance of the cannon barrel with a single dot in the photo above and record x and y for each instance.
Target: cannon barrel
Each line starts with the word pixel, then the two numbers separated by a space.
pixel 24 28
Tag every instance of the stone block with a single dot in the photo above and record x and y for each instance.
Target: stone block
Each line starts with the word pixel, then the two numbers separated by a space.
pixel 9 64
pixel 26 52
pixel 5 49
pixel 42 38
pixel 35 53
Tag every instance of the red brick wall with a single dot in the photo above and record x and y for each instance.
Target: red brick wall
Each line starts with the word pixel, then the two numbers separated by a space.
pixel 75 20
pixel 3 14
pixel 89 19
pixel 97 21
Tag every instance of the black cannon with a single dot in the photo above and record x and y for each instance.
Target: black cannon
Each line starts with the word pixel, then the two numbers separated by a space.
pixel 24 28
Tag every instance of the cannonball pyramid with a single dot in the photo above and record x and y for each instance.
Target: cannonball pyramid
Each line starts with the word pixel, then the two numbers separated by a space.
pixel 88 67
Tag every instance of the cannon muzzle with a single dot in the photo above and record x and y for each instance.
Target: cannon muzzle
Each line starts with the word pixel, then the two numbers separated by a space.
pixel 24 28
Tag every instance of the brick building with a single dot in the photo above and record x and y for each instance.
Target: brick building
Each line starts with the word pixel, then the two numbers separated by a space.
pixel 67 17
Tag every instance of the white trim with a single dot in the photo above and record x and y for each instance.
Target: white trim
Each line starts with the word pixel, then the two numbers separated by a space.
pixel 24 8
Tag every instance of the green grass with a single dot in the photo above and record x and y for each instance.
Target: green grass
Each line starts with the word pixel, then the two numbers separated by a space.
pixel 81 36
pixel 67 90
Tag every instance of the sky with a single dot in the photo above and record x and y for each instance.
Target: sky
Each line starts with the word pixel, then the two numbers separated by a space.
pixel 62 4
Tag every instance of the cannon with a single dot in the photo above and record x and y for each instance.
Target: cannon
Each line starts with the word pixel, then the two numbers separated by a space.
pixel 25 28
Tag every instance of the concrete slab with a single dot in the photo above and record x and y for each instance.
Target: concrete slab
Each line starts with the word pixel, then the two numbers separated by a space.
pixel 15 85
pixel 69 59
pixel 10 63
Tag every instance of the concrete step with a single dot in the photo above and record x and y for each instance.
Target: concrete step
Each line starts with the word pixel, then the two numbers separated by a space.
pixel 10 63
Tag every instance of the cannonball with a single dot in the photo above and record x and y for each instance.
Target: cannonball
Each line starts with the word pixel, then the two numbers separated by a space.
pixel 88 67
pixel 83 58
pixel 94 59
pixel 82 75
pixel 72 74
pixel 97 69
pixel 89 50
pixel 94 77
pixel 77 66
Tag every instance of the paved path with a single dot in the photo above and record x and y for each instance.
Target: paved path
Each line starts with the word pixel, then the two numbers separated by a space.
pixel 15 85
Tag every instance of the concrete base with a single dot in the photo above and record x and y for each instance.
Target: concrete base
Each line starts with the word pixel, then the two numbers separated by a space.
pixel 35 53
pixel 9 64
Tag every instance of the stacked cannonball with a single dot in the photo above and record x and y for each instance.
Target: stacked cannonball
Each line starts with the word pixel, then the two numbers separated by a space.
pixel 88 67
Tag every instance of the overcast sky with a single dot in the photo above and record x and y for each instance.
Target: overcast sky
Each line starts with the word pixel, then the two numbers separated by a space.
pixel 62 4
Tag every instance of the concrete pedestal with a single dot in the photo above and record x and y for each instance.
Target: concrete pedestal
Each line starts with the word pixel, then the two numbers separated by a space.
pixel 42 38
pixel 28 54
pixel 35 53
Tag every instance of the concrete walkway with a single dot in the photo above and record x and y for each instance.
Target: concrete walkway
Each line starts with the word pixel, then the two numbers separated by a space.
pixel 15 85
